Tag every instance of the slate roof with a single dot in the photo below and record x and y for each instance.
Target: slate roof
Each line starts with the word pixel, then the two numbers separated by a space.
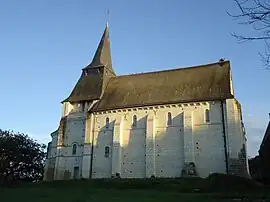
pixel 102 56
pixel 191 84
pixel 93 79
pixel 87 88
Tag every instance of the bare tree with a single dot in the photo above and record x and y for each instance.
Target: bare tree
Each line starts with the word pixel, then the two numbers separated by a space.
pixel 255 13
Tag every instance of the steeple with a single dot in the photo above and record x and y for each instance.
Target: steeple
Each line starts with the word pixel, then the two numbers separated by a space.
pixel 96 75
pixel 102 56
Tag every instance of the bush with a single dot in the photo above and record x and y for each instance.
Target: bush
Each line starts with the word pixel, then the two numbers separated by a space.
pixel 226 183
pixel 21 158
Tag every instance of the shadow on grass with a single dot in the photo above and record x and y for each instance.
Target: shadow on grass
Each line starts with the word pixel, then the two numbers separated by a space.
pixel 216 187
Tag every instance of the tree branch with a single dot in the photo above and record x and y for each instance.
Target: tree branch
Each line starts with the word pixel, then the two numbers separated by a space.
pixel 257 14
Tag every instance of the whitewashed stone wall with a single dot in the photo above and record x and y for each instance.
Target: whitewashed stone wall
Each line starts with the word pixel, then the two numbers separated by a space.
pixel 208 140
pixel 74 133
pixel 154 148
pixel 53 146
pixel 103 137
pixel 49 169
pixel 236 139
pixel 169 142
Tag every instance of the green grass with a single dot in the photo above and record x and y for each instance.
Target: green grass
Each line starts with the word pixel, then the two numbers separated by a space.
pixel 77 195
pixel 215 188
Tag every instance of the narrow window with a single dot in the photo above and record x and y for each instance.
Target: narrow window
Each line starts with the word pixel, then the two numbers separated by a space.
pixel 207 116
pixel 63 136
pixel 107 152
pixel 107 122
pixel 83 106
pixel 134 124
pixel 74 149
pixel 169 121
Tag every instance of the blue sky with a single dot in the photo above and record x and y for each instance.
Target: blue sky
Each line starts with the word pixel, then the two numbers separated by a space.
pixel 45 44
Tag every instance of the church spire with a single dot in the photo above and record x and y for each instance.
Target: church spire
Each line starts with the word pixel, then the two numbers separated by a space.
pixel 95 77
pixel 102 56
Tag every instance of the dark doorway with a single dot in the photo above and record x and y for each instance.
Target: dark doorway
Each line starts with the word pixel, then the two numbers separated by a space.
pixel 76 172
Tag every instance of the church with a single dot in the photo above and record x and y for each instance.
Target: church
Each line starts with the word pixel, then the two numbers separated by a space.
pixel 164 124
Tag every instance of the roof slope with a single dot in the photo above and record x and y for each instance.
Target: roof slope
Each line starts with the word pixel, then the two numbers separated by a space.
pixel 94 78
pixel 201 83
pixel 102 56
pixel 87 88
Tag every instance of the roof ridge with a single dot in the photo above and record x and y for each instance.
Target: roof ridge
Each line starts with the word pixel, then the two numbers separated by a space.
pixel 176 69
pixel 211 82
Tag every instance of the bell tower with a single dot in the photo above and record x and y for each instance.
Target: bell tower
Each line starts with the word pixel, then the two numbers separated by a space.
pixel 94 77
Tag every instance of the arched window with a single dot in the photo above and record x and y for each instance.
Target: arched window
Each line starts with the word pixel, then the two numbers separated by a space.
pixel 74 149
pixel 134 123
pixel 107 122
pixel 107 152
pixel 207 116
pixel 83 106
pixel 169 120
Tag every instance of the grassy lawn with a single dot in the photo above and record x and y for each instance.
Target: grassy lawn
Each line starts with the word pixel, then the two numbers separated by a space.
pixel 219 188
pixel 102 195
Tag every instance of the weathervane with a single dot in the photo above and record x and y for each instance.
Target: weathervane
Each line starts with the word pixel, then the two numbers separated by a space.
pixel 108 13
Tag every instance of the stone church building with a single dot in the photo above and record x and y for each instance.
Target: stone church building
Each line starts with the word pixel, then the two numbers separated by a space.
pixel 170 123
